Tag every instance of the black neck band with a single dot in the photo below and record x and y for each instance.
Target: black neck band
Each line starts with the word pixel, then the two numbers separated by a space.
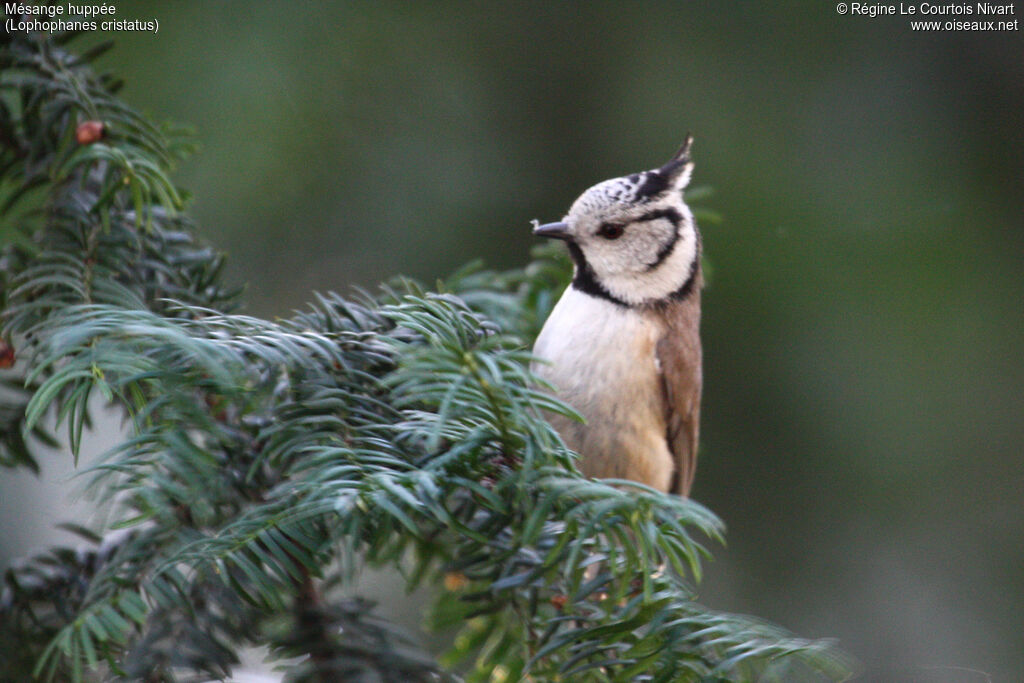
pixel 584 280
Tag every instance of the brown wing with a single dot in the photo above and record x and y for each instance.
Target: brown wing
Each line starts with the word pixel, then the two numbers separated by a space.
pixel 679 355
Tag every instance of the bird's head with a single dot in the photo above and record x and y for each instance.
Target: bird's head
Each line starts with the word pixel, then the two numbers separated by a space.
pixel 633 239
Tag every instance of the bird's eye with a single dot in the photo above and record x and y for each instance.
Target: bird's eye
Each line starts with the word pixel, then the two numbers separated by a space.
pixel 611 231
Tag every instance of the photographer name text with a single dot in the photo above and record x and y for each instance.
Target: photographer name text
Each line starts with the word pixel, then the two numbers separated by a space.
pixel 981 9
pixel 928 16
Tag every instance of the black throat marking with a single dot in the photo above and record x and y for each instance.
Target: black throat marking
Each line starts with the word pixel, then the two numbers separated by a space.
pixel 585 280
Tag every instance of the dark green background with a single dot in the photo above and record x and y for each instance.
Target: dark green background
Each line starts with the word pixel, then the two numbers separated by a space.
pixel 862 432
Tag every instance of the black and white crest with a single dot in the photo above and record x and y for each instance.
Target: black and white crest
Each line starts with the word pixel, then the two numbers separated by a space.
pixel 633 239
pixel 675 173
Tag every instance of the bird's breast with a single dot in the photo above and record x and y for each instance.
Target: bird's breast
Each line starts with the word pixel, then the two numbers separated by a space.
pixel 589 341
pixel 601 359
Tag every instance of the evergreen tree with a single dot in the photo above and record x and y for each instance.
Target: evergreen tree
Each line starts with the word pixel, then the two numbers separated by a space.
pixel 265 463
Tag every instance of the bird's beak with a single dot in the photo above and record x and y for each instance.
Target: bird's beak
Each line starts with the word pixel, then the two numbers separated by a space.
pixel 558 231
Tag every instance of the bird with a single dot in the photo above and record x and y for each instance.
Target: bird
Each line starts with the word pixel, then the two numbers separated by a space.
pixel 622 345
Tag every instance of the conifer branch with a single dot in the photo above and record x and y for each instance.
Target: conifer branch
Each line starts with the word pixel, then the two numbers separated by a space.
pixel 267 461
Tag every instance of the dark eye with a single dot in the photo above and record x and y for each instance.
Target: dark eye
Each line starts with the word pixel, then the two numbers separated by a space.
pixel 611 231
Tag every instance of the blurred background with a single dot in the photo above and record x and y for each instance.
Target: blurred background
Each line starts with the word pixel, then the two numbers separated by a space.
pixel 863 425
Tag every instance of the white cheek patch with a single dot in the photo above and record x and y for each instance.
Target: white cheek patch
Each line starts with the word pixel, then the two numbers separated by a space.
pixel 639 288
pixel 640 285
pixel 637 251
pixel 660 238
